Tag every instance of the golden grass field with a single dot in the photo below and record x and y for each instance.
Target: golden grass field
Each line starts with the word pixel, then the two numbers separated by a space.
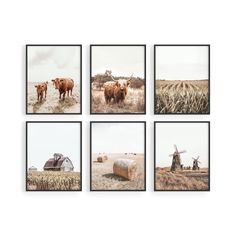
pixel 104 179
pixel 53 180
pixel 52 104
pixel 133 103
pixel 181 180
pixel 187 96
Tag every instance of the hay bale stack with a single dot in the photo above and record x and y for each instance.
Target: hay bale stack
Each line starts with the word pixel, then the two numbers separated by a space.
pixel 125 168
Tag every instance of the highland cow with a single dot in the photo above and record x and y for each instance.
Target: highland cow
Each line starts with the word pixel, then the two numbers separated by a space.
pixel 116 89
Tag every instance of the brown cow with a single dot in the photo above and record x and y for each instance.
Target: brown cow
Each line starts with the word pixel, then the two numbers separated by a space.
pixel 63 85
pixel 109 88
pixel 116 89
pixel 42 88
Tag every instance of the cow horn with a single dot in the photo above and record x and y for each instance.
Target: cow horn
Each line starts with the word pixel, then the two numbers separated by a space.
pixel 113 78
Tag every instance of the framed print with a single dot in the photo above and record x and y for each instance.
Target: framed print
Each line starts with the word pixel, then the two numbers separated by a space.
pixel 117 156
pixel 182 79
pixel 118 79
pixel 53 156
pixel 53 79
pixel 182 156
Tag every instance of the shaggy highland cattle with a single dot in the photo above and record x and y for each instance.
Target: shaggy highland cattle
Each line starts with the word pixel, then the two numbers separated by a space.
pixel 41 89
pixel 63 85
pixel 116 89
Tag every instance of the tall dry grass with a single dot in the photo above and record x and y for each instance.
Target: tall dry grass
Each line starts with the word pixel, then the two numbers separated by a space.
pixel 182 97
pixel 53 180
pixel 185 180
pixel 133 103
pixel 52 104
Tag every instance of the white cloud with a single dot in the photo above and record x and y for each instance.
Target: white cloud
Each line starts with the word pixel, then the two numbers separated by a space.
pixel 182 62
pixel 49 62
pixel 121 60
pixel 117 137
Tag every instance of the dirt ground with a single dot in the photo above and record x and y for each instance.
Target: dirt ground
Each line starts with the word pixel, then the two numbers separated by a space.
pixel 181 180
pixel 104 179
pixel 52 104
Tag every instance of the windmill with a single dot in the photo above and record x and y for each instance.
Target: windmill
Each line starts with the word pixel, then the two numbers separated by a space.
pixel 195 163
pixel 176 161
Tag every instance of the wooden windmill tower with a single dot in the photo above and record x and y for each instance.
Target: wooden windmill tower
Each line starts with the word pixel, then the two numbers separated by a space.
pixel 176 160
pixel 195 163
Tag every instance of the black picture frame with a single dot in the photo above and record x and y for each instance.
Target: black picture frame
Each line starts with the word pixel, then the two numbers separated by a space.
pixel 154 170
pixel 155 69
pixel 90 86
pixel 91 153
pixel 26 66
pixel 26 163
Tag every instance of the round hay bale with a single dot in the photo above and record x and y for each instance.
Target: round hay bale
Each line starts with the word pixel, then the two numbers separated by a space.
pixel 100 159
pixel 125 168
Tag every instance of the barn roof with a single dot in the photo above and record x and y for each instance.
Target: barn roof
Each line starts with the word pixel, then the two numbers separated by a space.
pixel 55 163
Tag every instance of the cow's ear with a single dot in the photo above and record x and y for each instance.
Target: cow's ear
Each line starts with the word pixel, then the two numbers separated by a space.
pixel 46 82
pixel 128 82
pixel 61 80
pixel 36 86
pixel 117 84
pixel 53 80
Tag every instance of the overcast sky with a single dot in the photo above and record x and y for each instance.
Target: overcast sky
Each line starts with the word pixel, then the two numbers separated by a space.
pixel 45 139
pixel 182 62
pixel 117 137
pixel 49 62
pixel 121 60
pixel 192 137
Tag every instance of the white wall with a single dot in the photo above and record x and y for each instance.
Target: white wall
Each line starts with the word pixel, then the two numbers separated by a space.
pixel 90 213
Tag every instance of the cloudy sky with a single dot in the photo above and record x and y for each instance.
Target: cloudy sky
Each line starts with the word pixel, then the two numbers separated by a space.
pixel 45 139
pixel 121 60
pixel 117 137
pixel 182 62
pixel 192 137
pixel 49 62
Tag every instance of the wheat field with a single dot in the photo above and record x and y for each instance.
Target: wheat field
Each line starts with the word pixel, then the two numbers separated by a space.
pixel 181 180
pixel 103 177
pixel 175 96
pixel 53 180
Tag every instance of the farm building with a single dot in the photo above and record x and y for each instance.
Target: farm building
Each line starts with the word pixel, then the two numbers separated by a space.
pixel 33 168
pixel 58 163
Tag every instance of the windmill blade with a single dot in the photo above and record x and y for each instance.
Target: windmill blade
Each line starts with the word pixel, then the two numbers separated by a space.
pixel 198 157
pixel 171 155
pixel 193 158
pixel 199 162
pixel 182 151
pixel 176 149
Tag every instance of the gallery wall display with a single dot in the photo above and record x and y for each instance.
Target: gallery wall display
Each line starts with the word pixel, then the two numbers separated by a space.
pixel 182 156
pixel 53 79
pixel 182 79
pixel 117 156
pixel 53 156
pixel 118 79
pixel 116 85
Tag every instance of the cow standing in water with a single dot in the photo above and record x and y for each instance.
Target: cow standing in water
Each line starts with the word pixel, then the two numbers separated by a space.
pixel 63 85
pixel 41 89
